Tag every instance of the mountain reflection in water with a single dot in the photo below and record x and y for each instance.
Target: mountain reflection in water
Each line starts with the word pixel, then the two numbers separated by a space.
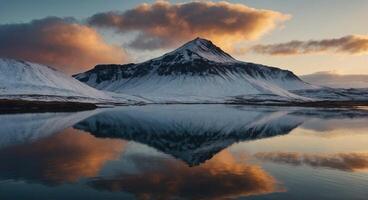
pixel 176 152
pixel 193 135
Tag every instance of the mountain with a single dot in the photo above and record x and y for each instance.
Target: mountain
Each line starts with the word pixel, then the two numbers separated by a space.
pixel 197 70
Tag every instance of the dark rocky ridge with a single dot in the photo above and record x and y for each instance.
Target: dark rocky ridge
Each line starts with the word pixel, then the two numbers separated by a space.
pixel 196 67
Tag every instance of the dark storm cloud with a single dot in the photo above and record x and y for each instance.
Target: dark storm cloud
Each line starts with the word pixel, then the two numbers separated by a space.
pixel 59 42
pixel 352 44
pixel 163 24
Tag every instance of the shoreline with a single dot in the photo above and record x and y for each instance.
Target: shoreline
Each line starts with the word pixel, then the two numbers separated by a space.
pixel 8 106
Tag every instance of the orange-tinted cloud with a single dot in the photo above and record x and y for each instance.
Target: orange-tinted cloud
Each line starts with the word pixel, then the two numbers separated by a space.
pixel 352 44
pixel 222 177
pixel 162 24
pixel 340 161
pixel 60 42
pixel 62 158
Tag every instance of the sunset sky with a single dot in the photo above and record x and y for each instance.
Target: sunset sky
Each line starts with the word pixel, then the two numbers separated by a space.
pixel 302 36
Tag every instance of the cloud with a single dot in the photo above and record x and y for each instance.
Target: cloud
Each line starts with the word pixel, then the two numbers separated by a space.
pixel 352 44
pixel 62 158
pixel 60 42
pixel 335 80
pixel 222 177
pixel 340 161
pixel 162 24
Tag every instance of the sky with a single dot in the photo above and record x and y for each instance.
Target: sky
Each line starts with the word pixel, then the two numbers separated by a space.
pixel 302 36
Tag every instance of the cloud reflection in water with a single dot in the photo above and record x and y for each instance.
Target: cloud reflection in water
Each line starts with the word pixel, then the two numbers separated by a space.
pixel 340 161
pixel 222 177
pixel 61 158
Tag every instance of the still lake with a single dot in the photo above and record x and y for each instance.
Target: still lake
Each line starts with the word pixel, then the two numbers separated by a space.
pixel 185 152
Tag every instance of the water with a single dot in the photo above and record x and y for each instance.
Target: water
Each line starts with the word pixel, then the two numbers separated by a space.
pixel 185 152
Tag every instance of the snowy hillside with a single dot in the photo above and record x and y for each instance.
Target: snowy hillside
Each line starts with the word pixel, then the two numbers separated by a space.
pixel 20 78
pixel 197 71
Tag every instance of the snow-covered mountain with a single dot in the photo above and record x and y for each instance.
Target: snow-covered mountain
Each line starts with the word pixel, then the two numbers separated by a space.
pixel 26 80
pixel 198 70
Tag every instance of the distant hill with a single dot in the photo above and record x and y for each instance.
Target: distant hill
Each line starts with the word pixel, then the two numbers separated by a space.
pixel 334 80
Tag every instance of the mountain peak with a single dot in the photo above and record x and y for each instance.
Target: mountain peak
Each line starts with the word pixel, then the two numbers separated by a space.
pixel 201 41
pixel 201 48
